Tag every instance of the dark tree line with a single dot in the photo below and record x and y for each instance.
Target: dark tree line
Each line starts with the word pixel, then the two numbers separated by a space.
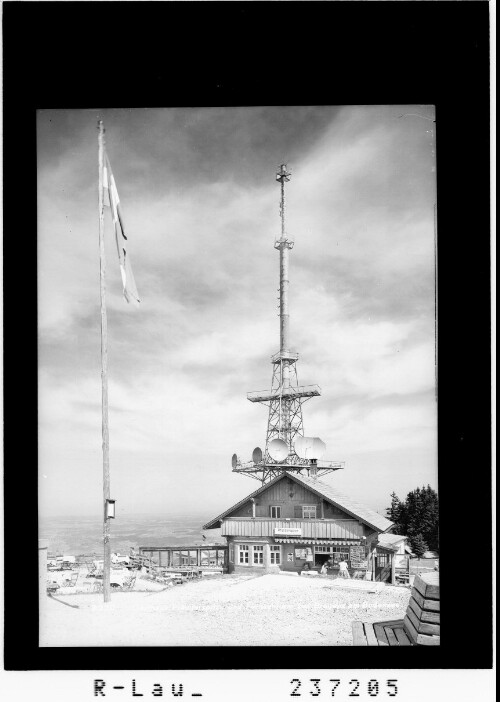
pixel 417 517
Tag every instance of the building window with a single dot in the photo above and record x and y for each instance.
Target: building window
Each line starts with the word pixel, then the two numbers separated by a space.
pixel 383 560
pixel 231 553
pixel 324 549
pixel 275 511
pixel 308 511
pixel 340 556
pixel 275 555
pixel 258 555
pixel 243 554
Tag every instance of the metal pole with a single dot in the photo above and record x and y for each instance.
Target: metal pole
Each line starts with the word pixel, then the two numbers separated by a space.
pixel 284 316
pixel 283 277
pixel 284 282
pixel 106 573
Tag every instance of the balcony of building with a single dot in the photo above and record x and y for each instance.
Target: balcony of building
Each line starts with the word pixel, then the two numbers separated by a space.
pixel 305 528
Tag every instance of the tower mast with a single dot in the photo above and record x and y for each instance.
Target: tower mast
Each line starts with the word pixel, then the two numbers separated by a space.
pixel 284 245
pixel 285 424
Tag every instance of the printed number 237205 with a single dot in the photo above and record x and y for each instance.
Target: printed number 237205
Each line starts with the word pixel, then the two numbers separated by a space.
pixel 315 687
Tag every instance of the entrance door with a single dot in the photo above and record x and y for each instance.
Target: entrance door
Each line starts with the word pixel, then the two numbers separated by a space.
pixel 382 567
pixel 320 558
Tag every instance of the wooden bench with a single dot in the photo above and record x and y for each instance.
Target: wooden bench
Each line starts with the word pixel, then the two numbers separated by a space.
pixel 387 633
pixel 423 614
pixel 420 626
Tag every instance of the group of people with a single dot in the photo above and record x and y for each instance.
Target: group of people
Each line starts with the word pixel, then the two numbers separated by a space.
pixel 343 567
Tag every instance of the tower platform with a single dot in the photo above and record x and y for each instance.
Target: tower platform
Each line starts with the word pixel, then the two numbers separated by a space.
pixel 290 356
pixel 291 392
pixel 266 470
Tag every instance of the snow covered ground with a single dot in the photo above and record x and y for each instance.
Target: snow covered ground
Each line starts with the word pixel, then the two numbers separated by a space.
pixel 228 610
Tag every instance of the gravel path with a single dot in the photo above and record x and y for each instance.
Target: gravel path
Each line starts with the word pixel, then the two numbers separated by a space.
pixel 229 610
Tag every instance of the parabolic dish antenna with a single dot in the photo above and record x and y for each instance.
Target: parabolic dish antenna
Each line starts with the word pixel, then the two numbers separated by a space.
pixel 257 455
pixel 278 450
pixel 234 460
pixel 309 447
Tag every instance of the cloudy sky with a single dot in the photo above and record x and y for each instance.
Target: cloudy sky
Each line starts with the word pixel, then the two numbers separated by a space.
pixel 201 210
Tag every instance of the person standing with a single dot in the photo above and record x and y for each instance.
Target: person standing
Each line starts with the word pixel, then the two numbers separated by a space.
pixel 308 561
pixel 343 569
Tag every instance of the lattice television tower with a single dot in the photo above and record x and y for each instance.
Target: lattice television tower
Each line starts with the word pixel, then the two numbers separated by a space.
pixel 286 446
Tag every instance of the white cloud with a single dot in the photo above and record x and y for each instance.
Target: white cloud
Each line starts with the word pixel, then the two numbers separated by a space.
pixel 360 208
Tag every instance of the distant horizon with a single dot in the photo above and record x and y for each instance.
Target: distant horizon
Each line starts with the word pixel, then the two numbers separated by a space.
pixel 204 513
pixel 128 514
pixel 174 515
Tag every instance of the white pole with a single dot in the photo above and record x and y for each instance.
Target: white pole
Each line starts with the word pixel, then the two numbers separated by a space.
pixel 106 573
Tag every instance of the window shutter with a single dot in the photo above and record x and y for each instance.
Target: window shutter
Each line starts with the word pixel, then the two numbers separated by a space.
pixel 297 511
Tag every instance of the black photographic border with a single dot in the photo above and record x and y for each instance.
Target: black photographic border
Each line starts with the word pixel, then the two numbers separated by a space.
pixel 133 54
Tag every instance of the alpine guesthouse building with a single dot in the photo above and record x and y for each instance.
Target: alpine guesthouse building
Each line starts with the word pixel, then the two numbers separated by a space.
pixel 294 520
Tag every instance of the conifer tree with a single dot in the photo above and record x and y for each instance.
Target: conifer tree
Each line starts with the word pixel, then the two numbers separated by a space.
pixel 417 517
pixel 417 544
pixel 395 511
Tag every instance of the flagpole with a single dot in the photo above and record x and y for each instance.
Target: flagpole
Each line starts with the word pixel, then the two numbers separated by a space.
pixel 104 377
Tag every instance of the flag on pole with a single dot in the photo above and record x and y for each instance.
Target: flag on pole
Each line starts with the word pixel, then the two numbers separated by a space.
pixel 112 200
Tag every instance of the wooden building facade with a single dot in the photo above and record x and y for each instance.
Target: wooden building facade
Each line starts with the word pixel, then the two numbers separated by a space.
pixel 296 520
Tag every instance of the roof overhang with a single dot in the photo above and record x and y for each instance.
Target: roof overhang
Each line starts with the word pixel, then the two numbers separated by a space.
pixel 216 523
pixel 317 542
pixel 338 505
pixel 386 547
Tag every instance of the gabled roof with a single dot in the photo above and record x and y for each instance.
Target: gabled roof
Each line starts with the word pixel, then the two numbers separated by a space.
pixel 390 541
pixel 344 502
pixel 327 492
pixel 215 523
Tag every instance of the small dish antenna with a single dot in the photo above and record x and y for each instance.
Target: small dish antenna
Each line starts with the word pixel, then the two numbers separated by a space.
pixel 257 455
pixel 310 447
pixel 234 460
pixel 278 450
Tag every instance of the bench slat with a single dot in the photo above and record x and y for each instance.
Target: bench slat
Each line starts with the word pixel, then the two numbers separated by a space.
pixel 391 637
pixel 402 638
pixel 358 634
pixel 428 585
pixel 370 635
pixel 431 605
pixel 391 622
pixel 417 638
pixel 422 615
pixel 422 627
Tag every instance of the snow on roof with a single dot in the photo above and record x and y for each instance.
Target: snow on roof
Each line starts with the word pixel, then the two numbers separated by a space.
pixel 330 494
